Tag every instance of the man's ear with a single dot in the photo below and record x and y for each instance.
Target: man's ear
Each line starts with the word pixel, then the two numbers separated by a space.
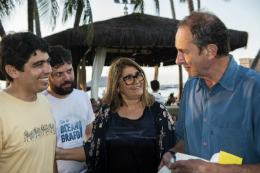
pixel 11 71
pixel 212 50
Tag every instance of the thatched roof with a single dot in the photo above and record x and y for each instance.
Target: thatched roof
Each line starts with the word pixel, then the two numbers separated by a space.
pixel 123 31
pixel 126 35
pixel 152 39
pixel 129 30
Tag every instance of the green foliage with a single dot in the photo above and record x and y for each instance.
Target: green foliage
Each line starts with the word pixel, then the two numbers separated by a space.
pixel 48 11
pixel 6 6
pixel 139 6
pixel 87 18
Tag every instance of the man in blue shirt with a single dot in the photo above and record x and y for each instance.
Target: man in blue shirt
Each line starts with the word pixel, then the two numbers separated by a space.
pixel 220 105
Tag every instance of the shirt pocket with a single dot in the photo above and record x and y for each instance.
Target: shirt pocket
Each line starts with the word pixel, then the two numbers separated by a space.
pixel 230 139
pixel 234 132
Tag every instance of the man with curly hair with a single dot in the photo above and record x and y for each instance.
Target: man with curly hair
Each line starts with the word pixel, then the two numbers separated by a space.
pixel 71 108
pixel 27 133
pixel 219 107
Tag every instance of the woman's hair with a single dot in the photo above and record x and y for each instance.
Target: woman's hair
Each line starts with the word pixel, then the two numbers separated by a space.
pixel 112 97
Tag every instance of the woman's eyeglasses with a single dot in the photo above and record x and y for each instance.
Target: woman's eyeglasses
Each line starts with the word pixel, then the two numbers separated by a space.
pixel 130 79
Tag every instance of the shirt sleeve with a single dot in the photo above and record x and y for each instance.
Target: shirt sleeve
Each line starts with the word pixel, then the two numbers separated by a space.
pixel 90 116
pixel 256 120
pixel 179 132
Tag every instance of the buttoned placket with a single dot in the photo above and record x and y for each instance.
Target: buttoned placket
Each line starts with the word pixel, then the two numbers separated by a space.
pixel 205 150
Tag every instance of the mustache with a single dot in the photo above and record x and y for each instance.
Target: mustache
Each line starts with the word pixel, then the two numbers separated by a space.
pixel 66 82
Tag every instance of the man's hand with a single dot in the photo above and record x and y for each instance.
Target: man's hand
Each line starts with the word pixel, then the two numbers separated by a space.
pixel 190 166
pixel 58 153
pixel 166 160
pixel 55 169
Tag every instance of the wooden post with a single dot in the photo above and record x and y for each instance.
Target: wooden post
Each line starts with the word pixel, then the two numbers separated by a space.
pixel 156 68
pixel 78 76
pixel 83 75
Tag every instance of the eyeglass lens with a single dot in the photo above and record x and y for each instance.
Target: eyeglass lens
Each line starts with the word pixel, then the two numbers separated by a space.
pixel 130 79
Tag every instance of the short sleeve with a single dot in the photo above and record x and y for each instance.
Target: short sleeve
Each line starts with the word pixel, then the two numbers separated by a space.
pixel 90 116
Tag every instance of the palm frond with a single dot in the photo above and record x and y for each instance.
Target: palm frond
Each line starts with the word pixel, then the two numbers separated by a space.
pixel 138 7
pixel 70 6
pixel 88 19
pixel 157 6
pixel 49 12
pixel 6 6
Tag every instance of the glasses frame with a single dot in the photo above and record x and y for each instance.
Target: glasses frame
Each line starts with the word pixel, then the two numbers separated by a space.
pixel 135 77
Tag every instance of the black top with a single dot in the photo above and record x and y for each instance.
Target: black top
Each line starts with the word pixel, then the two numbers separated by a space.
pixel 131 144
pixel 96 149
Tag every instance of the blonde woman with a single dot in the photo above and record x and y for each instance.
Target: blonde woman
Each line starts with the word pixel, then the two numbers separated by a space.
pixel 132 131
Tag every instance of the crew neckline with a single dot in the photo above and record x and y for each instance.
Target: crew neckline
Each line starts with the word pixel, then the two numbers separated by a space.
pixel 138 119
pixel 15 100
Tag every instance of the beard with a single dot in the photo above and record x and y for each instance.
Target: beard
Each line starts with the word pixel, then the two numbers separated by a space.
pixel 62 91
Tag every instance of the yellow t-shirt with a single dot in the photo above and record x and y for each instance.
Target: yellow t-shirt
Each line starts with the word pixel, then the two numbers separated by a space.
pixel 27 135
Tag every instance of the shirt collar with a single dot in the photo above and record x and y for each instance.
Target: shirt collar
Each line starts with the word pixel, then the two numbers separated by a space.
pixel 228 79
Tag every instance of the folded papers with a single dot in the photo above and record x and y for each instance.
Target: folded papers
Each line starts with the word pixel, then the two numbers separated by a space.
pixel 221 158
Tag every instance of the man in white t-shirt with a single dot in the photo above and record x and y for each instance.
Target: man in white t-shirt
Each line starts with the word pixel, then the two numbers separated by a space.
pixel 155 85
pixel 71 108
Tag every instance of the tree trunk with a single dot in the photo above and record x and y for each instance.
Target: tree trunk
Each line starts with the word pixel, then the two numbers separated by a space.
pixel 2 30
pixel 78 13
pixel 30 15
pixel 180 68
pixel 198 5
pixel 173 10
pixel 37 20
pixel 190 5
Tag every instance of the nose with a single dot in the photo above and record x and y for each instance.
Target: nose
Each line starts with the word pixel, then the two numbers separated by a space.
pixel 180 59
pixel 47 68
pixel 136 80
pixel 66 76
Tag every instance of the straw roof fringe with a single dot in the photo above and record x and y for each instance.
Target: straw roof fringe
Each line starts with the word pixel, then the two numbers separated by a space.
pixel 130 31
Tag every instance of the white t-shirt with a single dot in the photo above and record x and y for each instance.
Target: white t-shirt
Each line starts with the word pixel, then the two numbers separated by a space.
pixel 158 98
pixel 72 115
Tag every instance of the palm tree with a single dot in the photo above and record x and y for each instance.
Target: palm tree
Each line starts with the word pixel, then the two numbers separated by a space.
pixel 37 20
pixel 82 7
pixel 190 5
pixel 30 4
pixel 173 10
pixel 48 12
pixel 179 66
pixel 2 30
pixel 6 7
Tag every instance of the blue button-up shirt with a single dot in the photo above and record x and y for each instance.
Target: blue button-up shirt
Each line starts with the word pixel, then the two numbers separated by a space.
pixel 226 118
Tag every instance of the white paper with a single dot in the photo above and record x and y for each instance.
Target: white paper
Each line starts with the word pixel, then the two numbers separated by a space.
pixel 214 158
pixel 166 169
pixel 180 156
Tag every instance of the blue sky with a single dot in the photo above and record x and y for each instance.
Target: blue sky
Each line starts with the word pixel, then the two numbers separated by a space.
pixel 240 15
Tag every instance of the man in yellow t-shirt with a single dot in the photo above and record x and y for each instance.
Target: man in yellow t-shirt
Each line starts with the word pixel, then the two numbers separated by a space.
pixel 27 130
